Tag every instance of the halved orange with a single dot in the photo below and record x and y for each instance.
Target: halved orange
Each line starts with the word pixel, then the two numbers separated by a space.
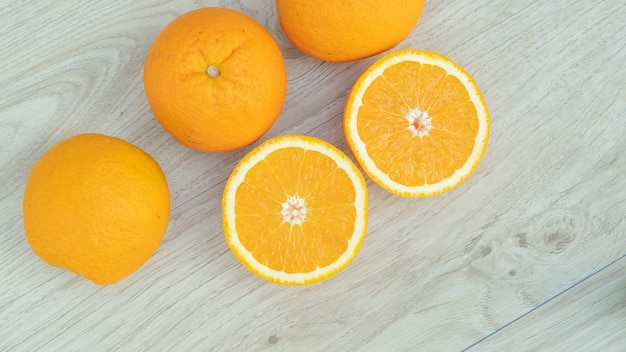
pixel 295 210
pixel 417 123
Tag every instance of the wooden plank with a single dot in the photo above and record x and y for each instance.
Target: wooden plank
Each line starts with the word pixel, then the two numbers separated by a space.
pixel 590 316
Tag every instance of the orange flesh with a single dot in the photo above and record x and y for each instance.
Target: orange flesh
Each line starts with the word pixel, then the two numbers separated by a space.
pixel 328 195
pixel 383 126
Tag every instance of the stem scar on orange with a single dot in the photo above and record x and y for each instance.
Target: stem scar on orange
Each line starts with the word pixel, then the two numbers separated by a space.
pixel 295 210
pixel 215 79
pixel 417 123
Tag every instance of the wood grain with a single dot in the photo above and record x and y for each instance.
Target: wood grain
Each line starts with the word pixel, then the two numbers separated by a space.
pixel 503 256
pixel 596 303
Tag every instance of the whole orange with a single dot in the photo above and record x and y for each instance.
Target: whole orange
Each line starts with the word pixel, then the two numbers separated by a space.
pixel 97 206
pixel 215 79
pixel 339 30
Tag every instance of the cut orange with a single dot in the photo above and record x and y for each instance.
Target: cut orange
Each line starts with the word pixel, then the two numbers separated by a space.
pixel 295 210
pixel 417 123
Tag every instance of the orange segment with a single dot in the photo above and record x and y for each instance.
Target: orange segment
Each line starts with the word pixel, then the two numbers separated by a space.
pixel 295 210
pixel 416 123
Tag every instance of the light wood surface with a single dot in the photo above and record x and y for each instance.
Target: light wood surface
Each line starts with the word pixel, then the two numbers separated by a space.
pixel 528 254
pixel 593 305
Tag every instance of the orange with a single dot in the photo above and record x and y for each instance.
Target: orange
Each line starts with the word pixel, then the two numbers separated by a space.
pixel 417 123
pixel 97 206
pixel 295 210
pixel 215 79
pixel 340 30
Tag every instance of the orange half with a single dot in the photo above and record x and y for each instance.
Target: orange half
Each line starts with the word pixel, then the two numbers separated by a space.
pixel 417 123
pixel 295 210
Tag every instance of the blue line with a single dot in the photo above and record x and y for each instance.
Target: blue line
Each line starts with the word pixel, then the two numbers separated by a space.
pixel 543 304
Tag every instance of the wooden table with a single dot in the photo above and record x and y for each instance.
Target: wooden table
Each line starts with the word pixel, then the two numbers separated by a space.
pixel 526 255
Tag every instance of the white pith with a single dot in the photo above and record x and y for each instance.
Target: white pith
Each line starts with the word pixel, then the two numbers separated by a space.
pixel 360 204
pixel 419 122
pixel 359 145
pixel 294 210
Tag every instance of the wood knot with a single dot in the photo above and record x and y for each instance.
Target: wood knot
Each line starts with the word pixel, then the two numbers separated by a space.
pixel 558 239
pixel 522 239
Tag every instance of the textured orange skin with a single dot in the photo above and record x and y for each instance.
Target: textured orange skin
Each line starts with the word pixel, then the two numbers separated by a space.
pixel 96 206
pixel 226 112
pixel 340 30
